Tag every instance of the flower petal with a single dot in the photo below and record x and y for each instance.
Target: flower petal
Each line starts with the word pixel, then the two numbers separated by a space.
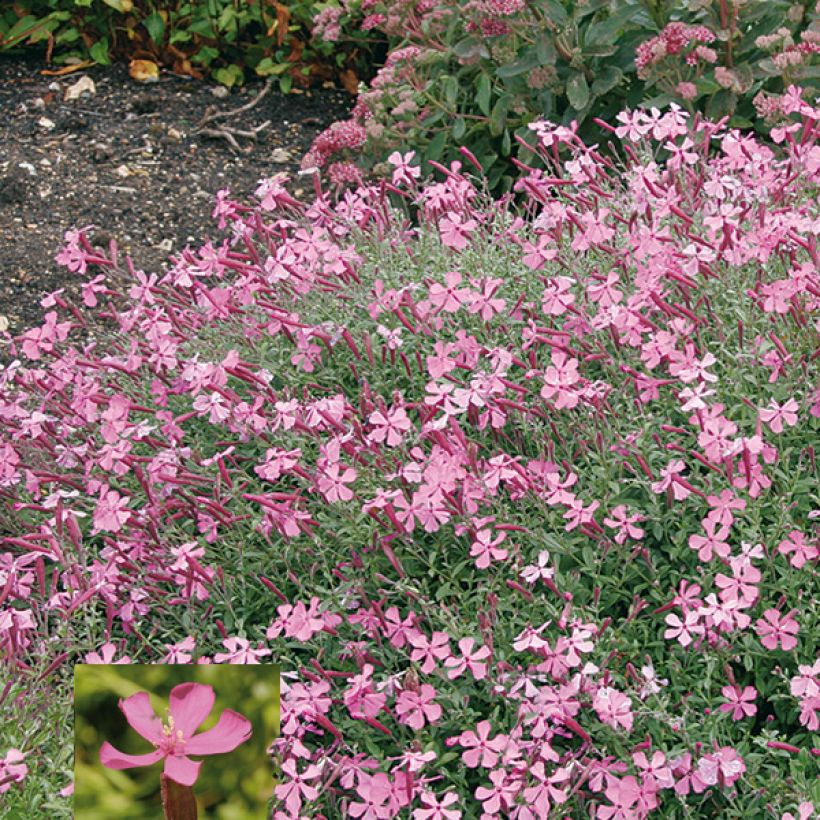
pixel 182 770
pixel 141 717
pixel 231 730
pixel 190 705
pixel 112 758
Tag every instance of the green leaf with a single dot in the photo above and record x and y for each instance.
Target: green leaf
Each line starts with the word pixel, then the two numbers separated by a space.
pixel 506 143
pixel 123 6
pixel 267 67
pixel 155 26
pixel 606 31
pixel 230 75
pixel 498 117
pixel 203 28
pixel 578 91
pixel 525 63
pixel 471 47
pixel 450 85
pixel 99 52
pixel 459 128
pixel 483 94
pixel 606 80
pixel 545 49
pixel 436 146
pixel 555 12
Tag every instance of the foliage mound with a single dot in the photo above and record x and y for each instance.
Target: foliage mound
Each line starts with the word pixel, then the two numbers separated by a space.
pixel 477 72
pixel 522 494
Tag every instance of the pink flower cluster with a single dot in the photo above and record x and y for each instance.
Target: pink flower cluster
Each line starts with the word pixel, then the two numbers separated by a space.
pixel 672 41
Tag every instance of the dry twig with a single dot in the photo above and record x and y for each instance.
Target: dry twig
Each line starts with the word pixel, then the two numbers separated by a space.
pixel 227 132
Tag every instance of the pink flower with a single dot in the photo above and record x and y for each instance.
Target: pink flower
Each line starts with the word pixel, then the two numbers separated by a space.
pixel 469 660
pixel 684 630
pixel 173 741
pixel 403 172
pixel 740 703
pixel 415 709
pixel 775 629
pixel 722 767
pixel 333 483
pixel 559 378
pixel 111 512
pixel 455 232
pixel 481 750
pixel 375 792
pixel 775 415
pixel 12 769
pixel 240 652
pixel 804 812
pixel 106 655
pixel 713 541
pixel 485 549
pixel 435 809
pixel 802 550
pixel 296 786
pixel 623 794
pixel 613 708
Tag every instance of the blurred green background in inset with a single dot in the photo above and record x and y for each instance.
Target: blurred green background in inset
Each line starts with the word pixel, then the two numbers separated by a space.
pixel 233 786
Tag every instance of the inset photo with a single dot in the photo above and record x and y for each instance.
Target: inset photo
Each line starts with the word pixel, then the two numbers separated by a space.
pixel 174 742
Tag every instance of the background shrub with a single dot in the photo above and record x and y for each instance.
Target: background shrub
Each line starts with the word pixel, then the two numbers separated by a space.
pixel 477 72
pixel 225 39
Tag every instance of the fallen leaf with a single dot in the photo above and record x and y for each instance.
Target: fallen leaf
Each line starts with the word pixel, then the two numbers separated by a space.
pixel 85 85
pixel 349 80
pixel 143 71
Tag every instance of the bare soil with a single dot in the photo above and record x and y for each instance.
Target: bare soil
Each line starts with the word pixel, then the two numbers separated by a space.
pixel 125 159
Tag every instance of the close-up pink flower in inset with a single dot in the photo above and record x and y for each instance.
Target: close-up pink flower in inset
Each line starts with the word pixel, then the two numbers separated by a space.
pixel 174 740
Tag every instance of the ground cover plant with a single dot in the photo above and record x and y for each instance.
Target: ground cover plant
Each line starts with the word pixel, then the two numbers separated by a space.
pixel 520 492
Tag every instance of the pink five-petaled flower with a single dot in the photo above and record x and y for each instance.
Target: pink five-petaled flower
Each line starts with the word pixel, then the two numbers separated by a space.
pixel 683 630
pixel 414 709
pixel 296 786
pixel 12 769
pixel 795 542
pixel 173 741
pixel 469 660
pixel 776 414
pixel 455 232
pixel 740 701
pixel 481 750
pixel 722 767
pixel 775 629
pixel 435 809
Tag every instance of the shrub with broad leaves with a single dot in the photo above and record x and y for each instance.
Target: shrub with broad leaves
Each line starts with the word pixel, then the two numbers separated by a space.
pixel 523 494
pixel 477 72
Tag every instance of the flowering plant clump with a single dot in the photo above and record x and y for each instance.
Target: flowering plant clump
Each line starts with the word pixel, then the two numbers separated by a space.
pixel 476 73
pixel 522 492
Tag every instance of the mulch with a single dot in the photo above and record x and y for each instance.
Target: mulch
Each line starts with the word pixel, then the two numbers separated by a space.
pixel 126 160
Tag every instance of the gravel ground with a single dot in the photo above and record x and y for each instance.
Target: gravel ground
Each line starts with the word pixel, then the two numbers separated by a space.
pixel 125 160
